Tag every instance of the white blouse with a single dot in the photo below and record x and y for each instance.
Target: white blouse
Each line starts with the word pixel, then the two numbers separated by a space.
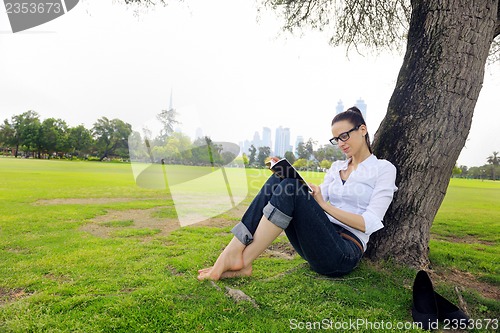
pixel 368 192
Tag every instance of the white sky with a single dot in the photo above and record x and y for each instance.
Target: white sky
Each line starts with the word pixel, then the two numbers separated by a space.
pixel 229 73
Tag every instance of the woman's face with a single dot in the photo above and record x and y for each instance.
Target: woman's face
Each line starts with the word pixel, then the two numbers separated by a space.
pixel 356 140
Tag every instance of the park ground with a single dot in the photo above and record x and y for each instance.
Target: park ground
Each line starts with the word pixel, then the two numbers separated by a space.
pixel 84 249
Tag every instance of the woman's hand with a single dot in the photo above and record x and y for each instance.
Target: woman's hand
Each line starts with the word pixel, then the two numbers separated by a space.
pixel 317 194
pixel 355 221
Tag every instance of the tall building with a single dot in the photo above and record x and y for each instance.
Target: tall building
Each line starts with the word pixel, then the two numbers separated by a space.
pixel 299 140
pixel 360 103
pixel 340 107
pixel 266 137
pixel 257 142
pixel 282 141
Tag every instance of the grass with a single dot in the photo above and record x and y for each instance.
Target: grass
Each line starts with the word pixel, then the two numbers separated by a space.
pixel 466 230
pixel 56 276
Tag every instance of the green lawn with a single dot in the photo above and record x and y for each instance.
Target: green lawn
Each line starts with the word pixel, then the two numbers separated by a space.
pixel 466 230
pixel 83 249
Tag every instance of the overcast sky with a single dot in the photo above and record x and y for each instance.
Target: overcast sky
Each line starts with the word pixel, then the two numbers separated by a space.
pixel 228 73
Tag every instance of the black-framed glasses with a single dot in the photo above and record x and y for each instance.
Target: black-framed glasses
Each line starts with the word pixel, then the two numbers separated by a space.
pixel 343 136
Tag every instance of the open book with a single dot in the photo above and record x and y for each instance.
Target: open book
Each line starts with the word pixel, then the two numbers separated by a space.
pixel 284 169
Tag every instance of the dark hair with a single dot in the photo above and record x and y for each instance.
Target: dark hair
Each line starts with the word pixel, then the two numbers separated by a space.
pixel 355 117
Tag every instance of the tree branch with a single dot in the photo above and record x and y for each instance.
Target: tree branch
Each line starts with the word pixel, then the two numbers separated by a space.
pixel 373 23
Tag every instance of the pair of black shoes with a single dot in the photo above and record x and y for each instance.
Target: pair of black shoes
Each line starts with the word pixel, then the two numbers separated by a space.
pixel 429 307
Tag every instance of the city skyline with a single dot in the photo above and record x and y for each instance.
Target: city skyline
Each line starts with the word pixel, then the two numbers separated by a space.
pixel 360 104
pixel 283 137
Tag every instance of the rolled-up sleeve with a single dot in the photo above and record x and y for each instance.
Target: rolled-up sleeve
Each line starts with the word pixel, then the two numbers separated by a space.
pixel 380 199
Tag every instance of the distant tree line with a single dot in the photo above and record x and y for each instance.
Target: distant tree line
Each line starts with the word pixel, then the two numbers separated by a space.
pixel 490 171
pixel 304 158
pixel 177 148
pixel 26 135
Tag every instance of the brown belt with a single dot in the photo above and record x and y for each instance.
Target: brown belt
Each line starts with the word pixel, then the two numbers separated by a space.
pixel 354 240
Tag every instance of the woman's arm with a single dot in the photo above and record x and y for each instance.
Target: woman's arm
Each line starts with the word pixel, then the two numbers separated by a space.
pixel 371 219
pixel 355 221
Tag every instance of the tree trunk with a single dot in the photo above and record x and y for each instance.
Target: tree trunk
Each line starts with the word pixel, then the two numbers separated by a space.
pixel 429 117
pixel 104 156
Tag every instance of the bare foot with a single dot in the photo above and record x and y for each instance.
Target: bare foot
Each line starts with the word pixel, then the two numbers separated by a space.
pixel 231 259
pixel 245 271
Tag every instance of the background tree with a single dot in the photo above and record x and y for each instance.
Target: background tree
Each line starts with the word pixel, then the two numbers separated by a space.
pixel 227 157
pixel 53 137
pixel 26 131
pixel 328 152
pixel 111 137
pixel 245 160
pixel 167 119
pixel 430 112
pixel 302 151
pixel 7 134
pixel 264 153
pixel 178 149
pixel 305 149
pixel 456 171
pixel 304 164
pixel 290 157
pixel 325 164
pixel 206 152
pixel 80 140
pixel 252 157
pixel 464 172
pixel 494 161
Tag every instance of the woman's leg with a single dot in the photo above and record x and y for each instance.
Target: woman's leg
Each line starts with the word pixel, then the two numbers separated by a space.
pixel 251 219
pixel 237 258
pixel 231 259
pixel 308 228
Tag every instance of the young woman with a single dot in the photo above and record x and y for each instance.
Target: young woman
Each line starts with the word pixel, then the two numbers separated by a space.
pixel 329 227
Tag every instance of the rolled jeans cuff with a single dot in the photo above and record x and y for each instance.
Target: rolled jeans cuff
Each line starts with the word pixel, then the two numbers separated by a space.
pixel 276 216
pixel 240 231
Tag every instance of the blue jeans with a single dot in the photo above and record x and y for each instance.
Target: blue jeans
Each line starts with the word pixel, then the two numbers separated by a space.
pixel 287 204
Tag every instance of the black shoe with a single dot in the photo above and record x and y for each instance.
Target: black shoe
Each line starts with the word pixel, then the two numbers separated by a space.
pixel 424 309
pixel 449 313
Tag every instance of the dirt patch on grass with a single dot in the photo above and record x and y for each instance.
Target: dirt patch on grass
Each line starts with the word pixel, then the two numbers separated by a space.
pixel 228 219
pixel 60 278
pixel 114 221
pixel 17 250
pixel 107 225
pixel 466 280
pixel 12 295
pixel 85 201
pixel 464 240
pixel 281 250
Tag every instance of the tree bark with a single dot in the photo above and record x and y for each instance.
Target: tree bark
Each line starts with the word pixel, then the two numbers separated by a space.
pixel 429 117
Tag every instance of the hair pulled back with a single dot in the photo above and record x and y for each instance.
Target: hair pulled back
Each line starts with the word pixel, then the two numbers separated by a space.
pixel 355 117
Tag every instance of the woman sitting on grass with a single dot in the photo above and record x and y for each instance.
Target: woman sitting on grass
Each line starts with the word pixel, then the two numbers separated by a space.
pixel 329 227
